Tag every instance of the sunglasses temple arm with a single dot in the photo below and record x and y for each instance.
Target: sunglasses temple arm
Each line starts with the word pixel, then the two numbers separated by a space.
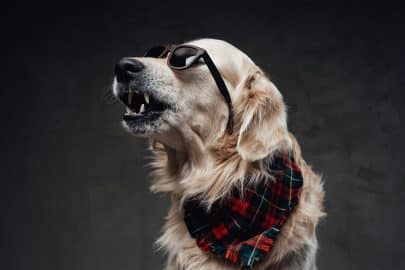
pixel 222 88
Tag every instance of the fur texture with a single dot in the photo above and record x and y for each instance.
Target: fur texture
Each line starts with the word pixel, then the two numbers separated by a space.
pixel 194 156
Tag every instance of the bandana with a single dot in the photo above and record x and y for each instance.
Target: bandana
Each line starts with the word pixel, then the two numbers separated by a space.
pixel 242 228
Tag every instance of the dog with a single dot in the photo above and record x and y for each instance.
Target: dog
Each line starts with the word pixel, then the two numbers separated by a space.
pixel 205 144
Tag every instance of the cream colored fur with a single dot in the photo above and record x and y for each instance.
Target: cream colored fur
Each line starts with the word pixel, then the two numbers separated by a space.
pixel 194 156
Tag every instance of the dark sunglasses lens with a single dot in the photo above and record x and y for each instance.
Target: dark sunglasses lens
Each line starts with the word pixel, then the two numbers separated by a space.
pixel 155 51
pixel 183 57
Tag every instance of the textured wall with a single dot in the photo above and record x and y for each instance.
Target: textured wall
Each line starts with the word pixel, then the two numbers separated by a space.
pixel 75 185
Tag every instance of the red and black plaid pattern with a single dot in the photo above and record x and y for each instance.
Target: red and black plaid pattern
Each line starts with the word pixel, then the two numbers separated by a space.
pixel 242 228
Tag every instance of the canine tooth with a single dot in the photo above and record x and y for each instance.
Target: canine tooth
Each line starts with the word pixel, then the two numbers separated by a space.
pixel 130 95
pixel 146 96
pixel 130 112
pixel 142 108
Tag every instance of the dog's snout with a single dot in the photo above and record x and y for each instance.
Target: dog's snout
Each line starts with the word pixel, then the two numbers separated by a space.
pixel 127 68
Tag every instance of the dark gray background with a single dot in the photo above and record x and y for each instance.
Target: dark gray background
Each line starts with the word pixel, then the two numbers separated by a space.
pixel 74 184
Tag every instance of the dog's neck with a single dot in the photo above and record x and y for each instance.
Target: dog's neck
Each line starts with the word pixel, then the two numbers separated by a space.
pixel 195 151
pixel 207 170
pixel 209 166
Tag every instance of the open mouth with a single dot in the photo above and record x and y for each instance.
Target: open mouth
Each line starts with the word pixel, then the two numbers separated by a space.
pixel 141 107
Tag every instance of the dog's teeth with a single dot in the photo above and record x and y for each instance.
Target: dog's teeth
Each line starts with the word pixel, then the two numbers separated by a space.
pixel 142 108
pixel 146 96
pixel 130 112
pixel 130 95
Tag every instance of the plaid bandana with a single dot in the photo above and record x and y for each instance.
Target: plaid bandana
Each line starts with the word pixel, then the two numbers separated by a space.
pixel 243 228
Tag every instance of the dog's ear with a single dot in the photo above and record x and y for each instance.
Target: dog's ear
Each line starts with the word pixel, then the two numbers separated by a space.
pixel 262 115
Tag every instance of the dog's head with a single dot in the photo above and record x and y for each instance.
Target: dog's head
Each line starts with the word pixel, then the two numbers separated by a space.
pixel 161 100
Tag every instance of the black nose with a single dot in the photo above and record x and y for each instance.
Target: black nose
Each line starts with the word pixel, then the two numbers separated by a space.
pixel 126 69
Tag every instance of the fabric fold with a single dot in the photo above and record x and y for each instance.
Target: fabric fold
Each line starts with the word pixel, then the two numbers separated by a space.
pixel 243 227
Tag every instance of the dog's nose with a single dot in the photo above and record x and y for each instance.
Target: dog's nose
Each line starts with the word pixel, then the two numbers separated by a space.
pixel 126 69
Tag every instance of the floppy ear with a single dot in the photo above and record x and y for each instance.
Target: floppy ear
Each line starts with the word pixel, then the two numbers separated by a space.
pixel 262 115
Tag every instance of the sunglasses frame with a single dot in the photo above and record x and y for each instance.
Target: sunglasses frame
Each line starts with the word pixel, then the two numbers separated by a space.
pixel 200 53
pixel 166 49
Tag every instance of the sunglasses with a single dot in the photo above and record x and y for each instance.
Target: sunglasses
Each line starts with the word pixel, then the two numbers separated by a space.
pixel 181 57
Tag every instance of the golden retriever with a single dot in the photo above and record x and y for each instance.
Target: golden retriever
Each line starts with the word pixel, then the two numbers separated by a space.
pixel 185 117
